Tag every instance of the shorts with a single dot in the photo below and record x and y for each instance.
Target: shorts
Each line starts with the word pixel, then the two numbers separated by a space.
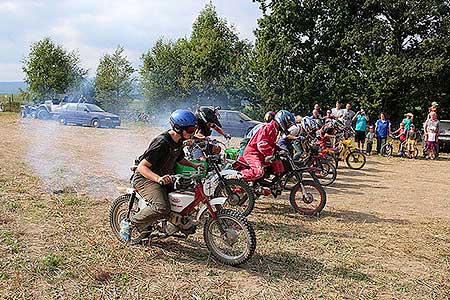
pixel 431 145
pixel 411 145
pixel 360 136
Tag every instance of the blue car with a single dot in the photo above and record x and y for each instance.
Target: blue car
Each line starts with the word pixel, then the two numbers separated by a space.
pixel 85 114
pixel 236 123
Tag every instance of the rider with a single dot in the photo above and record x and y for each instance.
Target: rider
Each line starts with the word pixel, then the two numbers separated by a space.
pixel 261 148
pixel 207 118
pixel 267 118
pixel 153 172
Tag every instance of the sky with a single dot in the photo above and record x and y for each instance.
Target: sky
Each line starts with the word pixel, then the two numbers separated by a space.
pixel 96 27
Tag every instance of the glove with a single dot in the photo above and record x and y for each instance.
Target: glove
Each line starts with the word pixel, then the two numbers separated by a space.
pixel 269 158
pixel 227 136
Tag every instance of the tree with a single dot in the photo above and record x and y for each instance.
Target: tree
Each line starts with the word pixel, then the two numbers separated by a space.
pixel 210 67
pixel 384 55
pixel 50 70
pixel 161 75
pixel 114 81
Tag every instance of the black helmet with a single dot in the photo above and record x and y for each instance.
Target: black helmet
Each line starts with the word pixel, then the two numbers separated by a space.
pixel 208 115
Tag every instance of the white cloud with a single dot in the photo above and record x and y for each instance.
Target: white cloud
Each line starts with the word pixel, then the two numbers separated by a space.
pixel 97 27
pixel 8 6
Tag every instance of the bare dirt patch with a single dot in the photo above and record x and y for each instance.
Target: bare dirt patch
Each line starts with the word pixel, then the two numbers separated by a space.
pixel 385 232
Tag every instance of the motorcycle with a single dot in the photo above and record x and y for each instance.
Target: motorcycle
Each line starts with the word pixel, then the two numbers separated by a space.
pixel 307 197
pixel 226 182
pixel 228 235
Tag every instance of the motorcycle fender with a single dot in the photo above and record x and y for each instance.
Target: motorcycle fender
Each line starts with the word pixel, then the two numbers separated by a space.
pixel 231 174
pixel 204 208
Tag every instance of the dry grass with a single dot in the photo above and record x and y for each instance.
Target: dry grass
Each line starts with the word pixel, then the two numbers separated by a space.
pixel 385 232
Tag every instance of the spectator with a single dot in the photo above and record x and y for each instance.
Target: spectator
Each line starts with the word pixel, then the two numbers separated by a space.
pixel 370 135
pixel 400 133
pixel 329 117
pixel 337 112
pixel 348 115
pixel 431 129
pixel 316 117
pixel 433 108
pixel 408 120
pixel 317 107
pixel 411 141
pixel 382 130
pixel 360 129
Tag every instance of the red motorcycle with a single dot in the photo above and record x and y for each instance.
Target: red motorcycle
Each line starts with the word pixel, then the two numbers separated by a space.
pixel 306 196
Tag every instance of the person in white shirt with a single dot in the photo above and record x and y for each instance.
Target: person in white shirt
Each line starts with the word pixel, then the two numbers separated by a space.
pixel 337 112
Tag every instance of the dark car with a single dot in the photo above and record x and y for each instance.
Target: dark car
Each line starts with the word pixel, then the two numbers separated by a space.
pixel 444 136
pixel 85 114
pixel 235 122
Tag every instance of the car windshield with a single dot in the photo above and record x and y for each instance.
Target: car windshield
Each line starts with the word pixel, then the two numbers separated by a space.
pixel 445 127
pixel 244 117
pixel 94 108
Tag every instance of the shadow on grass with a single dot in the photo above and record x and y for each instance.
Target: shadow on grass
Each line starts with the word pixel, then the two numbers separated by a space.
pixel 272 267
pixel 275 266
pixel 348 216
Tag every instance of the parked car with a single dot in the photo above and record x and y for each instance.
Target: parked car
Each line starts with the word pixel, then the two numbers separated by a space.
pixel 444 136
pixel 85 114
pixel 236 123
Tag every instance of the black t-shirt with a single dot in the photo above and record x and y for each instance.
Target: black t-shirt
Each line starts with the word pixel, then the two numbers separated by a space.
pixel 203 128
pixel 163 153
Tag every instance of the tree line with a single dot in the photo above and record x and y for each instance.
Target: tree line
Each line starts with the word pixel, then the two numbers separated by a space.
pixel 384 55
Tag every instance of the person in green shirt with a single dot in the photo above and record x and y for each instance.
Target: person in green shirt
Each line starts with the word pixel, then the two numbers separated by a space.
pixel 408 120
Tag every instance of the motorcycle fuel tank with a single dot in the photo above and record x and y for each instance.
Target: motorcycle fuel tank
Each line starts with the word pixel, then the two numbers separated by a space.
pixel 179 201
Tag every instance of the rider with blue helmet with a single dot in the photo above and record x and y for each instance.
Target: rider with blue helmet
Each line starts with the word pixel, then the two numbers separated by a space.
pixel 154 170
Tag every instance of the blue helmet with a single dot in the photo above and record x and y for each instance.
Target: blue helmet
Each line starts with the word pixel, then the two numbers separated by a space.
pixel 182 118
pixel 285 119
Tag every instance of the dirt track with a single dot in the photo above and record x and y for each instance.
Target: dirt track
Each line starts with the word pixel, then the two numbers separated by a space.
pixel 384 233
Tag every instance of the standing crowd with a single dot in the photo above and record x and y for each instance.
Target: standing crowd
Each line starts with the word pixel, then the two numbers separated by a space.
pixel 365 133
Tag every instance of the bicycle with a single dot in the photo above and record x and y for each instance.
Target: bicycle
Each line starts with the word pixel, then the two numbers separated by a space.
pixel 388 149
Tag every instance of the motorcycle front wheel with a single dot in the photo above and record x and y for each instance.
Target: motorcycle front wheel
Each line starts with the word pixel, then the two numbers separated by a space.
pixel 230 238
pixel 308 198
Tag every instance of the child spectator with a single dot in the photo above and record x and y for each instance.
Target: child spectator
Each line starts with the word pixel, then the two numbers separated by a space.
pixel 408 120
pixel 370 135
pixel 411 141
pixel 401 135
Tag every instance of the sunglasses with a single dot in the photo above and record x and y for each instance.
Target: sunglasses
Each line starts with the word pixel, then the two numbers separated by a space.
pixel 190 129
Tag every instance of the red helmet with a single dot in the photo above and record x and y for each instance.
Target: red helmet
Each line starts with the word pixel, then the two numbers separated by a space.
pixel 269 116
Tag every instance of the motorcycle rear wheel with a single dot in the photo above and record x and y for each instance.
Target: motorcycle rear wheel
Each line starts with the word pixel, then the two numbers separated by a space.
pixel 228 230
pixel 242 198
pixel 355 160
pixel 117 212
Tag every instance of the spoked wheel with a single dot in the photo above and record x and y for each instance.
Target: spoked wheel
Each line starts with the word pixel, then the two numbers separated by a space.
pixel 327 172
pixel 355 160
pixel 230 238
pixel 118 212
pixel 387 150
pixel 241 198
pixel 308 198
pixel 333 159
pixel 290 180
